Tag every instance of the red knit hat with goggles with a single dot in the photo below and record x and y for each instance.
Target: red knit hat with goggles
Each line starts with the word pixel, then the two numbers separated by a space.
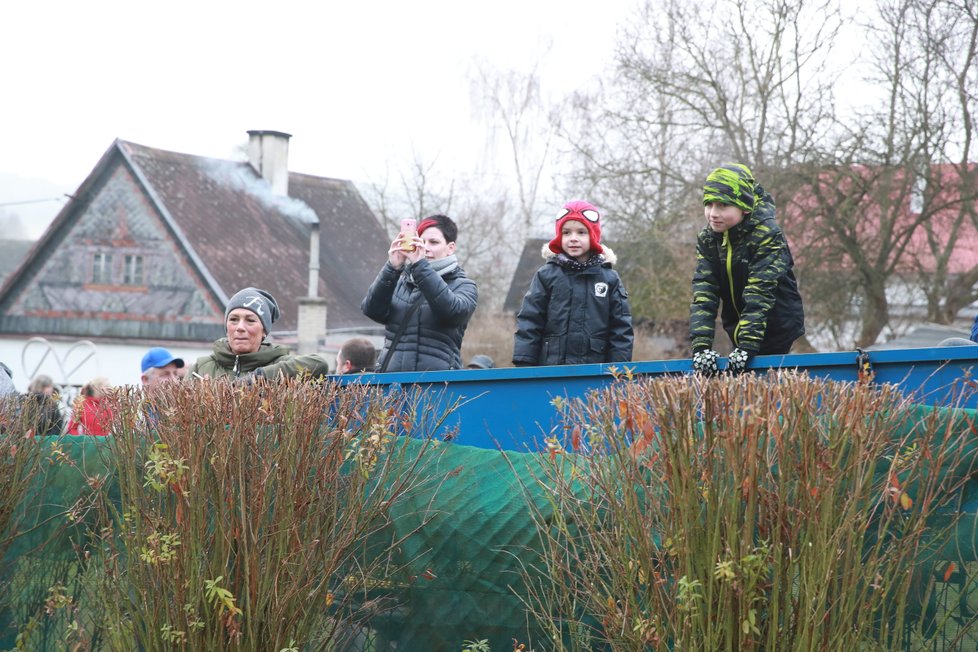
pixel 587 215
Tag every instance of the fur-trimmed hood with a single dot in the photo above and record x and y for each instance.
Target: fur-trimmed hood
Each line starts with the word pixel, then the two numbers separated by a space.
pixel 608 254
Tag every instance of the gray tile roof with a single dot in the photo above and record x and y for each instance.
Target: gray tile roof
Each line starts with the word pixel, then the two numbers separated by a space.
pixel 530 261
pixel 248 237
pixel 211 227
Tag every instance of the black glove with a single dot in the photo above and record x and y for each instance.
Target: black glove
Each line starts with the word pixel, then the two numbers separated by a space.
pixel 737 361
pixel 705 362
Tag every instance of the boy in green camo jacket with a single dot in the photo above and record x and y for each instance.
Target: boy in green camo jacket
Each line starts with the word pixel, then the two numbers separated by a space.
pixel 743 262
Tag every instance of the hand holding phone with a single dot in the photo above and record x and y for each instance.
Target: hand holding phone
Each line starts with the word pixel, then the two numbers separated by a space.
pixel 409 231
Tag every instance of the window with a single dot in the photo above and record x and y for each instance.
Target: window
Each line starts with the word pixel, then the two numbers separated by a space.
pixel 917 194
pixel 134 271
pixel 102 269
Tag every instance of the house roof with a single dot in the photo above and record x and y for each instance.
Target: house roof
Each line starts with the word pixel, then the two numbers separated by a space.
pixel 530 261
pixel 889 206
pixel 247 236
pixel 220 223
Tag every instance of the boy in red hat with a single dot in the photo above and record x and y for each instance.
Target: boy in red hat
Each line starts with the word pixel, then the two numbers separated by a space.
pixel 576 310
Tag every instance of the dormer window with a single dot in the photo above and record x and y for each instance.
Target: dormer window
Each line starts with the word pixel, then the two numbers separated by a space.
pixel 126 272
pixel 102 269
pixel 133 274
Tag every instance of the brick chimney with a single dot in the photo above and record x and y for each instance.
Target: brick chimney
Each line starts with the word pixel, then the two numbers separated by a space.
pixel 268 153
pixel 311 329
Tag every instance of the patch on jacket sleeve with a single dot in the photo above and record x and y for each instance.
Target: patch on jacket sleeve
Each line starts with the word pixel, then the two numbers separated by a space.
pixel 600 289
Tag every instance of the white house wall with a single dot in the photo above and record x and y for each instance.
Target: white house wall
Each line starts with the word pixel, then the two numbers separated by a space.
pixel 69 363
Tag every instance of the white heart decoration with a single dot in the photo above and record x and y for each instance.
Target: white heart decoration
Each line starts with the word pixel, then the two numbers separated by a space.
pixel 77 355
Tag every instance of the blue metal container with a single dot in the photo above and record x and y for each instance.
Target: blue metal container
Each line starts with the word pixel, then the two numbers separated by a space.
pixel 511 408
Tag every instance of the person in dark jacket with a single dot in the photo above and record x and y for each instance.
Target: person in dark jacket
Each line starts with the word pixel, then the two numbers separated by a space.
pixel 576 310
pixel 480 361
pixel 423 299
pixel 742 262
pixel 356 355
pixel 244 354
pixel 43 400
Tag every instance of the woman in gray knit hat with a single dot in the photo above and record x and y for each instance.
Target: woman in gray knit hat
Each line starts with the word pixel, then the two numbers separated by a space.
pixel 245 352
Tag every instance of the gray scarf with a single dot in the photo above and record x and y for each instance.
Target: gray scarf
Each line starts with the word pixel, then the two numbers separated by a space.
pixel 443 265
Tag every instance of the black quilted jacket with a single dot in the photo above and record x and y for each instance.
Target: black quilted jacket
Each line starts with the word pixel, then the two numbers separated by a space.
pixel 432 337
pixel 574 317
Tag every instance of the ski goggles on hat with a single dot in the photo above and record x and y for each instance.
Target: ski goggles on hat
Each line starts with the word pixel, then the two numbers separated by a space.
pixel 588 214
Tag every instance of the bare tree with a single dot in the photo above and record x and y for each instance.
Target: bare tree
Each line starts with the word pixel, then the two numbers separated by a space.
pixel 898 197
pixel 877 203
pixel 12 226
pixel 512 102
pixel 485 243
pixel 943 92
pixel 419 190
pixel 496 204
pixel 853 232
pixel 698 84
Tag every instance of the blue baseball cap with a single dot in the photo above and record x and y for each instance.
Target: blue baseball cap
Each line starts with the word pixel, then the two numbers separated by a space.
pixel 159 357
pixel 480 362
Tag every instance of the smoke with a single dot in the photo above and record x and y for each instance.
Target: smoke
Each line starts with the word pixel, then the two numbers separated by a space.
pixel 240 177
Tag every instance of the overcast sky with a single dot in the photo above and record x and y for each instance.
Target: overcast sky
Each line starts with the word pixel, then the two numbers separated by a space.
pixel 360 85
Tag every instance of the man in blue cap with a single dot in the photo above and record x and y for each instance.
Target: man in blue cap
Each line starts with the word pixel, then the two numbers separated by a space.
pixel 160 366
pixel 480 361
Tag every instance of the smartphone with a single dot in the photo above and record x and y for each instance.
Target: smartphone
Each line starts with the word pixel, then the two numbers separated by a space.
pixel 409 229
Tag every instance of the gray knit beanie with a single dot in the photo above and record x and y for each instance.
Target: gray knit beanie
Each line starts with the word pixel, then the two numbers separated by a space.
pixel 257 301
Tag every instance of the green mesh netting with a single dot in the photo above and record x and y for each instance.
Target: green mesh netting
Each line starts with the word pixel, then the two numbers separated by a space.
pixel 473 550
pixel 463 570
pixel 458 569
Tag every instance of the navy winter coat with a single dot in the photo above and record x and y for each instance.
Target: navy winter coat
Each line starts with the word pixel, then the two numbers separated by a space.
pixel 432 338
pixel 574 317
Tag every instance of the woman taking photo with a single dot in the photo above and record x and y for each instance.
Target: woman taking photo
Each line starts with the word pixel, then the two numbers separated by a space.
pixel 423 298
